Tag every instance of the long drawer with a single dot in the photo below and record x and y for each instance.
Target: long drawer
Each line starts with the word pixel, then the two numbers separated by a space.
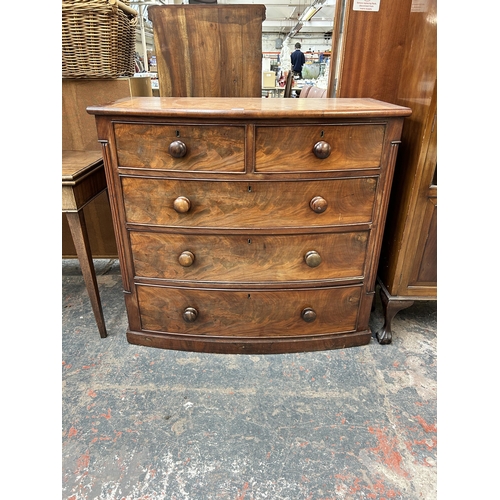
pixel 248 204
pixel 249 313
pixel 249 258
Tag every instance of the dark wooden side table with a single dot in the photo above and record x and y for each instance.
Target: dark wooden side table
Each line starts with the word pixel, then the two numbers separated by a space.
pixel 83 179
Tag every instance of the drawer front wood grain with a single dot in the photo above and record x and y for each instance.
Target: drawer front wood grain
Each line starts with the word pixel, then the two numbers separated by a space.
pixel 207 148
pixel 249 259
pixel 291 149
pixel 256 205
pixel 249 313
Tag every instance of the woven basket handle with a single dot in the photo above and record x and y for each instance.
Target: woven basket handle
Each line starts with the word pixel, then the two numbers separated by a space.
pixel 124 7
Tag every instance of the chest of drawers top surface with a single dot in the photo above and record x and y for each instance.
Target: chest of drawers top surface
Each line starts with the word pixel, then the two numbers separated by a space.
pixel 249 225
pixel 249 108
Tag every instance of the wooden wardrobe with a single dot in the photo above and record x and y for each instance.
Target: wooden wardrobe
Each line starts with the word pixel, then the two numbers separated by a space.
pixel 391 55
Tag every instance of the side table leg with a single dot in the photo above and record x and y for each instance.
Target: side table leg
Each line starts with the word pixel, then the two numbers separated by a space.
pixel 391 307
pixel 78 228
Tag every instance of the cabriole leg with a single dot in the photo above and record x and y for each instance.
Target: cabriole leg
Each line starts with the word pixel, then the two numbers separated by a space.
pixel 390 307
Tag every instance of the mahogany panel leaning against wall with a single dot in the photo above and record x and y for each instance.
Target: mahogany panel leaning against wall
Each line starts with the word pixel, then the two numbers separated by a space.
pixel 208 50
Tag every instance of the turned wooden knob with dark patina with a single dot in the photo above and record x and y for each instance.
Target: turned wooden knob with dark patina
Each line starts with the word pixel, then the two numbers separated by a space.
pixel 186 258
pixel 177 149
pixel 190 314
pixel 308 314
pixel 322 150
pixel 318 204
pixel 312 258
pixel 182 204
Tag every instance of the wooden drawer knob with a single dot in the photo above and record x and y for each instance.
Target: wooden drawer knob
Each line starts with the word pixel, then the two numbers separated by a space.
pixel 322 150
pixel 318 204
pixel 186 258
pixel 182 204
pixel 312 258
pixel 308 314
pixel 177 149
pixel 190 314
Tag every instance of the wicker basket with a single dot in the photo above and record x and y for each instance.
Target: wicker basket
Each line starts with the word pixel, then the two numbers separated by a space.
pixel 98 40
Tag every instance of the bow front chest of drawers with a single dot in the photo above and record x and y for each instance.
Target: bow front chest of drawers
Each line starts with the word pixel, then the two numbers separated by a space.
pixel 249 225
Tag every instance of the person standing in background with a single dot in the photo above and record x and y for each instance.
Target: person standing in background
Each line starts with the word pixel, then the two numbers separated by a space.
pixel 298 60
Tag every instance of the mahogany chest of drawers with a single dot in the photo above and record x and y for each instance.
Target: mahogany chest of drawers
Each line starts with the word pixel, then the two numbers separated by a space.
pixel 249 225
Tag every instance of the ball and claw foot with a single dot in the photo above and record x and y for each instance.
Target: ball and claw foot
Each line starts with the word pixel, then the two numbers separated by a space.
pixel 384 336
pixel 391 307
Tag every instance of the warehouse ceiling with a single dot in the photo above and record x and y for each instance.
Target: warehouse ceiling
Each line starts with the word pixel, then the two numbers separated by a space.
pixel 283 17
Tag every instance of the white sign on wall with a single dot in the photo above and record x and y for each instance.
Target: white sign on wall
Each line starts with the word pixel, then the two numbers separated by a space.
pixel 419 6
pixel 366 5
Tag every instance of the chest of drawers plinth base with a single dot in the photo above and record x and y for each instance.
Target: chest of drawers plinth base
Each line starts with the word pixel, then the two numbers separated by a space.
pixel 248 226
pixel 234 345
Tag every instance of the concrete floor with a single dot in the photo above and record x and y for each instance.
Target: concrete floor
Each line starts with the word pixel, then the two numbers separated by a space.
pixel 149 424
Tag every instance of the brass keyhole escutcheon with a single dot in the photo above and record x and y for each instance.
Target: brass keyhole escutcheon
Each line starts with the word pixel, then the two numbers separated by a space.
pixel 308 314
pixel 186 258
pixel 177 149
pixel 312 258
pixel 182 205
pixel 190 314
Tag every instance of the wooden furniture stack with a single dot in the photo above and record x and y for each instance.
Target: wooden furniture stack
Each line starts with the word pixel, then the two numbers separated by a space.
pixel 208 50
pixel 79 134
pixel 250 225
pixel 392 55
pixel 87 228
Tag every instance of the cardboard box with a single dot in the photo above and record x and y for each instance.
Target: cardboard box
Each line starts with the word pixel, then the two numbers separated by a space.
pixel 268 79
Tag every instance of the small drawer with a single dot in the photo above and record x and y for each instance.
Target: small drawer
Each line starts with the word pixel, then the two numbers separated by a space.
pixel 249 259
pixel 318 148
pixel 253 205
pixel 249 313
pixel 203 148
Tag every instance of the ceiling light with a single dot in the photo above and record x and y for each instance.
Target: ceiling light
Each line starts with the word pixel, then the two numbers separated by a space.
pixel 309 13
